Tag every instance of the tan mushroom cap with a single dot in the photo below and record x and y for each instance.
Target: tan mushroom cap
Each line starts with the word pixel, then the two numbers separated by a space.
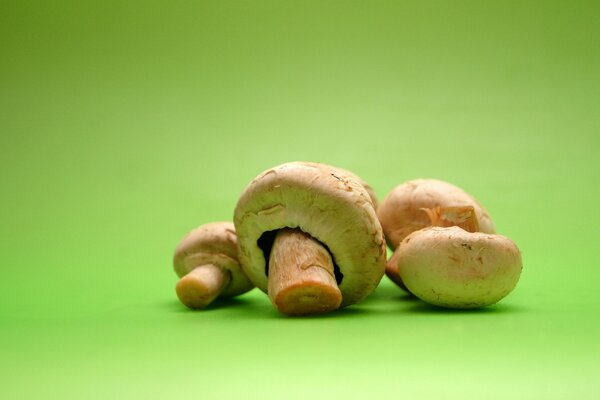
pixel 325 202
pixel 214 243
pixel 357 178
pixel 401 212
pixel 345 172
pixel 451 267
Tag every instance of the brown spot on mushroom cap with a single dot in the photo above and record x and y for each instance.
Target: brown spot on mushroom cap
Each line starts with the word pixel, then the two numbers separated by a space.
pixel 213 243
pixel 325 202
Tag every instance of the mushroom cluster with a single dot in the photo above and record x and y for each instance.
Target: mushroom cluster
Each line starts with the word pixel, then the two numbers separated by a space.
pixel 313 238
pixel 446 250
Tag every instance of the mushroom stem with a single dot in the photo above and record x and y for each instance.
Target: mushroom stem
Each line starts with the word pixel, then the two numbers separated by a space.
pixel 202 285
pixel 301 277
pixel 461 216
pixel 391 269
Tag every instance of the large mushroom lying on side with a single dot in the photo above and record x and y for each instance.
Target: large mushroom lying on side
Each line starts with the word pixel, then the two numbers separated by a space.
pixel 453 268
pixel 421 203
pixel 310 238
pixel 207 263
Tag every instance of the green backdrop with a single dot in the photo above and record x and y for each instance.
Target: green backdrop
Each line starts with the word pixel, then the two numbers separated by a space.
pixel 124 124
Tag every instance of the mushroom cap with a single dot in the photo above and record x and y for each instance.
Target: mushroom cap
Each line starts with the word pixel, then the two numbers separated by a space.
pixel 451 267
pixel 401 212
pixel 323 201
pixel 214 243
pixel 345 172
pixel 357 178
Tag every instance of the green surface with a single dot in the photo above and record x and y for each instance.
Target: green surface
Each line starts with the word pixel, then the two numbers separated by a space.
pixel 125 124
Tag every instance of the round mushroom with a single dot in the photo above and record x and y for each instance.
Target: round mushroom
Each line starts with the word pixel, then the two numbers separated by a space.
pixel 421 203
pixel 309 237
pixel 207 263
pixel 450 267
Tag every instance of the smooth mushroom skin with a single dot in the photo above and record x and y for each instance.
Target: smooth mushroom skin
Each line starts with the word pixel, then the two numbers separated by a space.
pixel 403 211
pixel 328 204
pixel 450 267
pixel 213 245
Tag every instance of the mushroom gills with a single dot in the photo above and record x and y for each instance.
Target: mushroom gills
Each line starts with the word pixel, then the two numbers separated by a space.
pixel 301 279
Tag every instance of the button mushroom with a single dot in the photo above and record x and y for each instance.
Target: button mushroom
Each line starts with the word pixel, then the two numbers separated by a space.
pixel 450 267
pixel 309 237
pixel 402 212
pixel 207 263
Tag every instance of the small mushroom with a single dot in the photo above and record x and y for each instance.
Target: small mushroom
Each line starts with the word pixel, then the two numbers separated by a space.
pixel 310 238
pixel 207 263
pixel 450 267
pixel 421 203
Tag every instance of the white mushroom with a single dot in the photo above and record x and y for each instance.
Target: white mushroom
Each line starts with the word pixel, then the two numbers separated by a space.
pixel 450 267
pixel 310 238
pixel 207 263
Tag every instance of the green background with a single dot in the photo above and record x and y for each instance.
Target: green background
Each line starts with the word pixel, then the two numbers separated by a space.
pixel 125 124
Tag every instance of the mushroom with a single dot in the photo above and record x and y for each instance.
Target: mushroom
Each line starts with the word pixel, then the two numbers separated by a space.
pixel 402 212
pixel 309 237
pixel 450 267
pixel 207 263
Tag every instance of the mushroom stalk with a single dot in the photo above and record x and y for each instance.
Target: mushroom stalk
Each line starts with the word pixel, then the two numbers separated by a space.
pixel 301 277
pixel 202 285
pixel 464 217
